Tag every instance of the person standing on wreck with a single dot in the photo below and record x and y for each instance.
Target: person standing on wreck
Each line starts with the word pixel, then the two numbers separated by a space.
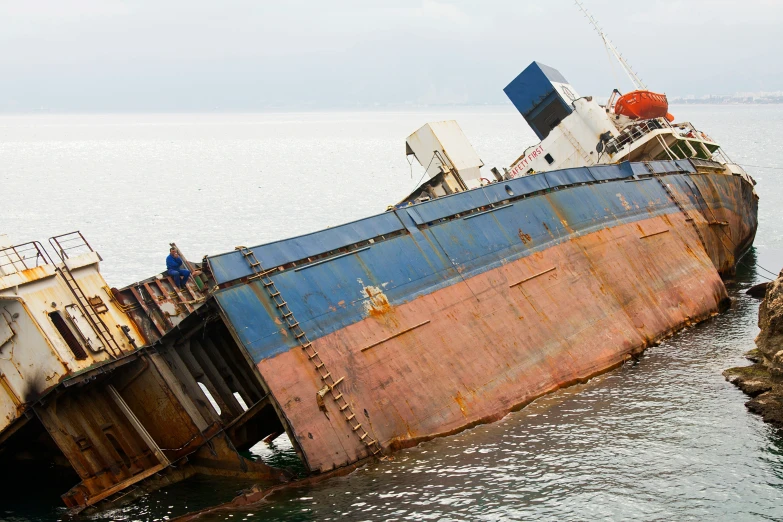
pixel 175 267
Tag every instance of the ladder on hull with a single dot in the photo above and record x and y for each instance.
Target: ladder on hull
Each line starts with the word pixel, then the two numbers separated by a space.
pixel 330 383
pixel 97 324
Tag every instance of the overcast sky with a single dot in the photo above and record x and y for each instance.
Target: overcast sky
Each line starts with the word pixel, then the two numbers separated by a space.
pixel 108 55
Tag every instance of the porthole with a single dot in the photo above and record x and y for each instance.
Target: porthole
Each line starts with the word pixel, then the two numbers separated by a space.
pixel 509 191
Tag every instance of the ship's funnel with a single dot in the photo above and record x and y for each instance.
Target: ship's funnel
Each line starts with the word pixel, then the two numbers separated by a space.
pixel 543 96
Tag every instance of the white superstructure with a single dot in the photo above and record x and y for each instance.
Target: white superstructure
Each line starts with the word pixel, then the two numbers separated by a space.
pixel 575 131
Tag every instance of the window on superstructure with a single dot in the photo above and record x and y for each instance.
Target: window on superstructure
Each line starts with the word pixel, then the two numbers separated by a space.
pixel 67 334
pixel 549 159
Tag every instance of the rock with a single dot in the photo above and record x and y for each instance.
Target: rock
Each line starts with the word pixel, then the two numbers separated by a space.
pixel 770 406
pixel 770 340
pixel 758 291
pixel 763 381
pixel 753 355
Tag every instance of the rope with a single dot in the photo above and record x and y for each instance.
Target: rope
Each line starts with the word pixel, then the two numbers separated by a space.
pixel 759 166
pixel 425 171
pixel 756 265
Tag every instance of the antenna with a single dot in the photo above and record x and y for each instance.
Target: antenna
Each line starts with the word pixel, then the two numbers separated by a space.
pixel 635 80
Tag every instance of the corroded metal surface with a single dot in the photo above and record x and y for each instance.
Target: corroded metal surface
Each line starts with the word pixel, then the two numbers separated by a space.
pixel 423 321
pixel 492 344
pixel 156 305
pixel 463 318
pixel 77 380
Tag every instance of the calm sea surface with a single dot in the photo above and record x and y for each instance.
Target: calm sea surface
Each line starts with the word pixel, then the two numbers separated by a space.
pixel 663 439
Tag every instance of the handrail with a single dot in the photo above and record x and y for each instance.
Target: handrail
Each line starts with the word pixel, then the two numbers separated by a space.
pixel 57 243
pixel 636 131
pixel 632 133
pixel 28 255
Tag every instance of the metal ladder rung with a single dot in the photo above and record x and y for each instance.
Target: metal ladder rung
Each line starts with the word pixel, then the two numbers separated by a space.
pixel 294 326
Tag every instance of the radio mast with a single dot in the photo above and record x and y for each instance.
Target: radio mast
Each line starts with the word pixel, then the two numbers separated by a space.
pixel 635 79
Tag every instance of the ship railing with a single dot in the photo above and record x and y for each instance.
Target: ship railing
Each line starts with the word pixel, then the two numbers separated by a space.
pixel 637 131
pixel 687 130
pixel 70 244
pixel 633 133
pixel 22 257
pixel 720 156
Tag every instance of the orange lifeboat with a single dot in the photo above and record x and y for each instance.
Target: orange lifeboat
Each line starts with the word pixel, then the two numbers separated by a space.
pixel 643 105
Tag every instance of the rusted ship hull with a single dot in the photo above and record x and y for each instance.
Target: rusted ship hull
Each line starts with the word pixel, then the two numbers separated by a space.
pixel 435 317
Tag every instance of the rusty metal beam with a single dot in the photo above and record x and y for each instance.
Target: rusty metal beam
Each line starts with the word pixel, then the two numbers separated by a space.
pixel 143 433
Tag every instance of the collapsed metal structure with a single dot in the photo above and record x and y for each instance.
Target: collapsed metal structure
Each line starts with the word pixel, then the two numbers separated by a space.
pixel 136 388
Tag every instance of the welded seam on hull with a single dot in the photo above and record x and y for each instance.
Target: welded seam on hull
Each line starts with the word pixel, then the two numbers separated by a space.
pixel 394 335
pixel 487 211
pixel 654 234
pixel 327 260
pixel 532 277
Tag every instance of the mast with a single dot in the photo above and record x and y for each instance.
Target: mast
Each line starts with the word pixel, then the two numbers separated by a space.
pixel 635 79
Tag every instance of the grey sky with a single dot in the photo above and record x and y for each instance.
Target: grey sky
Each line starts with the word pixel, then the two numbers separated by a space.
pixel 249 55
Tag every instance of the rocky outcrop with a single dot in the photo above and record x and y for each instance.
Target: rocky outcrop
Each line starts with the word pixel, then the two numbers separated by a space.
pixel 763 380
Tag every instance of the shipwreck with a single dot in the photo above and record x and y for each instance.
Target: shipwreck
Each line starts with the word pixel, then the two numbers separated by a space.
pixel 468 299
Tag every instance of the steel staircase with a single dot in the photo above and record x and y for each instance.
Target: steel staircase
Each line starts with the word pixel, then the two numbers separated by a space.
pixel 330 383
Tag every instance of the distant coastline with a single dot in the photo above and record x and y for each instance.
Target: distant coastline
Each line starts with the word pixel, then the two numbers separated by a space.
pixel 735 99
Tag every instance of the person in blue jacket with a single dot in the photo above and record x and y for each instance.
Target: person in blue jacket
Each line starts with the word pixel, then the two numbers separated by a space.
pixel 175 267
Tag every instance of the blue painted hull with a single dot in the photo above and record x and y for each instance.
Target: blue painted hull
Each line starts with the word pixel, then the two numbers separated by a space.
pixel 421 248
pixel 399 305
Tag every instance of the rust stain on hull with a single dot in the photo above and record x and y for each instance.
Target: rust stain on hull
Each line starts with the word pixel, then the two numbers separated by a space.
pixel 618 294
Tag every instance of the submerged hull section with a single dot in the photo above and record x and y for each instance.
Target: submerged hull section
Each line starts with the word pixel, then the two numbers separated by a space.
pixel 438 316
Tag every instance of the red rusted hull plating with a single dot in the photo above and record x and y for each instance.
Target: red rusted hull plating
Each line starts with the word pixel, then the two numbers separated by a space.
pixel 473 351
